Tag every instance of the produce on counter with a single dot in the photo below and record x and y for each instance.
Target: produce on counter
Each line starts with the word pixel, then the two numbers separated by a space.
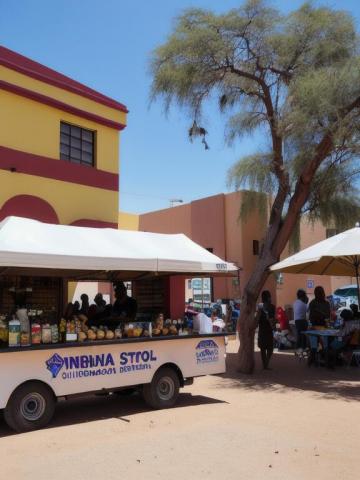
pixel 44 329
pixel 109 335
pixel 100 334
pixel 91 335
pixel 82 336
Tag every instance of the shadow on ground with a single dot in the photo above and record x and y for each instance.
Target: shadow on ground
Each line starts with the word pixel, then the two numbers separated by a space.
pixel 93 408
pixel 290 373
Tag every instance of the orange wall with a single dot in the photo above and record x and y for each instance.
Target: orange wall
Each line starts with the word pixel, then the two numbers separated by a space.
pixel 213 222
pixel 208 230
pixel 169 220
pixel 240 234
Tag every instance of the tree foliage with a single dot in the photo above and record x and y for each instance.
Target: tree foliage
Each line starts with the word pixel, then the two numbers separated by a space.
pixel 305 63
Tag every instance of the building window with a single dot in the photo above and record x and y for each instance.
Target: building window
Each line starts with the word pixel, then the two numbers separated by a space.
pixel 77 144
pixel 330 232
pixel 256 247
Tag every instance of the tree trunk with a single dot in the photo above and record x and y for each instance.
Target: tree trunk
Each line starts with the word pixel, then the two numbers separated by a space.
pixel 247 323
pixel 246 329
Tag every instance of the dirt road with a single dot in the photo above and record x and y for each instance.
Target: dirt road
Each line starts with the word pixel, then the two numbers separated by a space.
pixel 289 423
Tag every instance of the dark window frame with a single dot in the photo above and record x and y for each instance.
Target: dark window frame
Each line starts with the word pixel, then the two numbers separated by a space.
pixel 77 144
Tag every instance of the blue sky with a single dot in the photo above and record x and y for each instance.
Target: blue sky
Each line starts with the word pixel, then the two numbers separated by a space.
pixel 106 45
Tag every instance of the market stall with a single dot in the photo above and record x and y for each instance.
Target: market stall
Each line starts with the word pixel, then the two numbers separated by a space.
pixel 37 258
pixel 49 351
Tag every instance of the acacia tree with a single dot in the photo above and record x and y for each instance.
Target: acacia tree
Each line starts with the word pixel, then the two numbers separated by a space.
pixel 296 79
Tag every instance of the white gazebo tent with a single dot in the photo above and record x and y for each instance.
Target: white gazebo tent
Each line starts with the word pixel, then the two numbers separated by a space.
pixel 35 248
pixel 338 255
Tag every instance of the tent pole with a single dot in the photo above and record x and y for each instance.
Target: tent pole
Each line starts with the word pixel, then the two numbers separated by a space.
pixel 357 279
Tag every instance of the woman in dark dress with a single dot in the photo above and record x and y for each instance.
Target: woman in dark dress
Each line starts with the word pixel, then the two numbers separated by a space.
pixel 319 308
pixel 266 316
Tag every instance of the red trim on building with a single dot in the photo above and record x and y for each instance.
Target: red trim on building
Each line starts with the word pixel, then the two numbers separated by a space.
pixel 29 206
pixel 65 171
pixel 26 66
pixel 39 97
pixel 87 222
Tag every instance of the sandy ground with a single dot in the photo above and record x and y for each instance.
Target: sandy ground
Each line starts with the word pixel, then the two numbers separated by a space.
pixel 289 423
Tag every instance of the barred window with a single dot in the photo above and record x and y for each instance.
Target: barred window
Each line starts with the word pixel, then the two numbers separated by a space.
pixel 77 144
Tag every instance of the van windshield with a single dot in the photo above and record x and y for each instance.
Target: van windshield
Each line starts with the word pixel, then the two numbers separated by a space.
pixel 346 292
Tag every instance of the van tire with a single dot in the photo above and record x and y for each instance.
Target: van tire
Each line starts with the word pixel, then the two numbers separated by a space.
pixel 30 407
pixel 163 391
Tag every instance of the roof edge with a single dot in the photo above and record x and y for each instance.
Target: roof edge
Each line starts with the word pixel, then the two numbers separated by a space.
pixel 20 63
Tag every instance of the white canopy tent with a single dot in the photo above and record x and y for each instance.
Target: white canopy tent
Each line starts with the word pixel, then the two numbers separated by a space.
pixel 82 252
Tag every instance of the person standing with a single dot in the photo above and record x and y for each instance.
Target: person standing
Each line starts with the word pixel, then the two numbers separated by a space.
pixel 266 318
pixel 319 308
pixel 300 308
pixel 84 304
pixel 124 306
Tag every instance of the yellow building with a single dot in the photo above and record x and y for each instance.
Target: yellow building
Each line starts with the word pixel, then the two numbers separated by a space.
pixel 59 146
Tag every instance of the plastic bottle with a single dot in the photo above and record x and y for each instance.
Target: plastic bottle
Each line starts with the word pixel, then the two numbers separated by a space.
pixel 14 332
pixel 22 315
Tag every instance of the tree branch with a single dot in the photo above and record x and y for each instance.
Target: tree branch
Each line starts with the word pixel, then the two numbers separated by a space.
pixel 302 188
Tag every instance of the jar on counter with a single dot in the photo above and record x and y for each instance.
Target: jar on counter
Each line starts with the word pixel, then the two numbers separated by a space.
pixel 25 339
pixel 14 333
pixel 35 333
pixel 54 334
pixel 4 333
pixel 46 333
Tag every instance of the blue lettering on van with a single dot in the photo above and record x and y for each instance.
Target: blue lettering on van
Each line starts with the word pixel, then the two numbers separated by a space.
pixel 136 361
pixel 137 357
pixel 207 351
pixel 79 364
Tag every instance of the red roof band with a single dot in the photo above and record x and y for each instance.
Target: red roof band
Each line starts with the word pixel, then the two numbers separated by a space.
pixel 26 66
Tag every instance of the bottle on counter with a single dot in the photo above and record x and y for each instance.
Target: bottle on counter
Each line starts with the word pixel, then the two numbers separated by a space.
pixel 71 335
pixel 62 330
pixel 14 332
pixel 4 333
pixel 22 315
pixel 54 333
pixel 35 333
pixel 46 333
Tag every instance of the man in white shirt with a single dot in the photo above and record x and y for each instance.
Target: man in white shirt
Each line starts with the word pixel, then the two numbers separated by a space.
pixel 300 308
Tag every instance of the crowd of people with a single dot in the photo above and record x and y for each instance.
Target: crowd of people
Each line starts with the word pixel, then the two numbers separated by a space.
pixel 316 314
pixel 124 308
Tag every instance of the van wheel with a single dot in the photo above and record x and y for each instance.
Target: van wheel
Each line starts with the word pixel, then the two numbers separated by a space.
pixel 31 406
pixel 163 390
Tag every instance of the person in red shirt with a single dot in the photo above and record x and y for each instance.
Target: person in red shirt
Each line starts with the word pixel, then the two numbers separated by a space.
pixel 282 319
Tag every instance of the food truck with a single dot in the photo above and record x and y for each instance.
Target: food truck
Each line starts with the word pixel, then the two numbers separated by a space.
pixel 55 357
